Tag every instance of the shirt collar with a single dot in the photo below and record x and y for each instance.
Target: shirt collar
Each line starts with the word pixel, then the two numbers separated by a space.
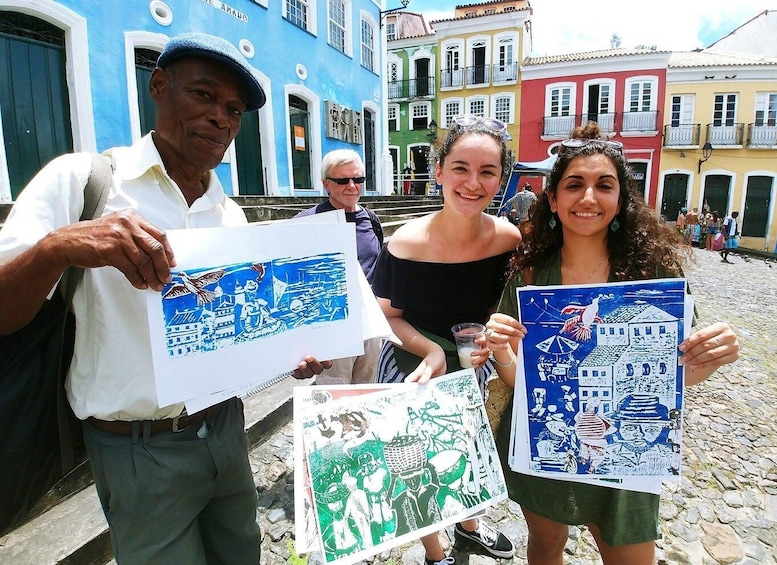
pixel 144 156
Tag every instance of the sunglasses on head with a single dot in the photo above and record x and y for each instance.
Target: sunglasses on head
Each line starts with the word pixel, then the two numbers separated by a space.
pixel 577 143
pixel 470 120
pixel 346 180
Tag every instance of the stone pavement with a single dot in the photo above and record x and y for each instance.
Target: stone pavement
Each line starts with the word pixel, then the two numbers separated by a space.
pixel 723 511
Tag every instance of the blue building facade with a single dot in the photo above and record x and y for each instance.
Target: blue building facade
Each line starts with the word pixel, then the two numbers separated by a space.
pixel 75 79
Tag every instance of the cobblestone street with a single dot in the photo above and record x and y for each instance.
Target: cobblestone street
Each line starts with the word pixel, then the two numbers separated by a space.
pixel 723 511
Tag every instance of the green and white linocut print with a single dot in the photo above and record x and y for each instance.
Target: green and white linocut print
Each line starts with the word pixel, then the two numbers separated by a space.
pixel 388 465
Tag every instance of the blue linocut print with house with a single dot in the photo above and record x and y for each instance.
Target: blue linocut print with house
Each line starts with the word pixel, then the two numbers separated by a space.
pixel 603 381
pixel 210 308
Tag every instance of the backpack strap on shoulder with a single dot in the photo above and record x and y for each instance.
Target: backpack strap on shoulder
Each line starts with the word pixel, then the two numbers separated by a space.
pixel 376 227
pixel 95 195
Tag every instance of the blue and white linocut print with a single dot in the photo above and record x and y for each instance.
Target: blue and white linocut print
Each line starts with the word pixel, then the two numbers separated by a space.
pixel 599 387
pixel 211 308
pixel 389 467
pixel 248 303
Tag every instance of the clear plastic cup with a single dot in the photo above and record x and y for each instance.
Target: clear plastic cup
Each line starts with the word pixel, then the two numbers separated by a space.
pixel 465 335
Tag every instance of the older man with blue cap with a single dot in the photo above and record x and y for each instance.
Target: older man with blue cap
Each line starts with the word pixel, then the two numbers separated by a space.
pixel 175 487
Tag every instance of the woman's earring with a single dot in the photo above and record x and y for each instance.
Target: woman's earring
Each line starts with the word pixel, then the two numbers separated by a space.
pixel 615 225
pixel 552 222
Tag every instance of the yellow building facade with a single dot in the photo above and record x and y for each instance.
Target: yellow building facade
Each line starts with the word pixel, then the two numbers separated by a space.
pixel 479 53
pixel 720 141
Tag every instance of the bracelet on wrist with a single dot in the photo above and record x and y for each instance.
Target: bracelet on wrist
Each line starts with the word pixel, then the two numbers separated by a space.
pixel 497 363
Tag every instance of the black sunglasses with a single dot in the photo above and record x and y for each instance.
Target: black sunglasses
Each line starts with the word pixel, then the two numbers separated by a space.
pixel 346 180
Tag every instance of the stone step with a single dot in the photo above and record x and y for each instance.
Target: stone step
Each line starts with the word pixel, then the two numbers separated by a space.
pixel 72 529
pixel 263 208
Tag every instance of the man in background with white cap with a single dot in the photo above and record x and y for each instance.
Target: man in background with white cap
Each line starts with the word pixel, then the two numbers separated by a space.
pixel 175 488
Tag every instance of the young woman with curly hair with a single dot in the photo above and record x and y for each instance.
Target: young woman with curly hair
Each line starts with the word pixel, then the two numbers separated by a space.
pixel 590 227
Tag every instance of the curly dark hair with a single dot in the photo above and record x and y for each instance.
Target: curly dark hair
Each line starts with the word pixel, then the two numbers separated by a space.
pixel 643 247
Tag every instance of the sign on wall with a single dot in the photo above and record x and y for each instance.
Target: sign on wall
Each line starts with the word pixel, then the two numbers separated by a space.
pixel 343 123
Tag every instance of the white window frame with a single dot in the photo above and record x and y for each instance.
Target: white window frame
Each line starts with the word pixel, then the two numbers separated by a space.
pixel 610 107
pixel 346 27
pixel 312 12
pixel 685 113
pixel 641 80
pixel 422 53
pixel 510 97
pixel 393 108
pixel 77 77
pixel 315 105
pixel 366 19
pixel 571 116
pixel 391 31
pixel 677 134
pixel 446 115
pixel 560 86
pixel 419 110
pixel 473 42
pixel 500 40
pixel 723 116
pixel 448 50
pixel 480 98
pixel 766 105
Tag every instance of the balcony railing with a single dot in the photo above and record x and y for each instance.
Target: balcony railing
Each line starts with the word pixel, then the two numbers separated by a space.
pixel 452 78
pixel 682 135
pixel 731 134
pixel 761 135
pixel 639 121
pixel 558 126
pixel 479 74
pixel 505 73
pixel 411 88
pixel 606 121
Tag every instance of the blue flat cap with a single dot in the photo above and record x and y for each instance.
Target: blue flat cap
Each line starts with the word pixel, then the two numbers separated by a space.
pixel 218 49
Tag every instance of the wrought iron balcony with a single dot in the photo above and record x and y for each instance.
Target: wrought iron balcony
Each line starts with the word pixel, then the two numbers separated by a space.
pixel 479 74
pixel 682 135
pixel 730 134
pixel 452 78
pixel 411 88
pixel 762 136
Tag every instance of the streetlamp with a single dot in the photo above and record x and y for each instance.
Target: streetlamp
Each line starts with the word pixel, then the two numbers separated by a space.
pixel 383 13
pixel 706 153
pixel 432 135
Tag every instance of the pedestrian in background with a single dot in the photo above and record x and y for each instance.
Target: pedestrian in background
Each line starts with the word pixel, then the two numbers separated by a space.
pixel 342 174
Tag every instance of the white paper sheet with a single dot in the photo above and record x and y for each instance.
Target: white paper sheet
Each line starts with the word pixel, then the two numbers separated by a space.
pixel 189 362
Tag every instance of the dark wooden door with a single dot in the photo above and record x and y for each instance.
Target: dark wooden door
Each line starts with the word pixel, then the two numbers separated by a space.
pixel 33 96
pixel 716 189
pixel 248 149
pixel 675 193
pixel 757 204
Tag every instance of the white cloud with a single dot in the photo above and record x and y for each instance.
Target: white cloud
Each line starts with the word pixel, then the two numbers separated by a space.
pixel 568 26
pixel 563 26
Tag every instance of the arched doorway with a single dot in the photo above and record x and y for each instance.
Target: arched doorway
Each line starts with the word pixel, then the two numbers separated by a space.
pixel 675 195
pixel 34 95
pixel 716 189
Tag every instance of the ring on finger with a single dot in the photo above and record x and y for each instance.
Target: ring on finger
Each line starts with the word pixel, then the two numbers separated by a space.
pixel 489 333
pixel 716 341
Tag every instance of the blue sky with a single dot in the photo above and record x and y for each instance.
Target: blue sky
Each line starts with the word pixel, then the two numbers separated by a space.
pixel 564 26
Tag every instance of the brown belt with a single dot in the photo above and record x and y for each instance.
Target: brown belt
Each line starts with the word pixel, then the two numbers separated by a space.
pixel 177 424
